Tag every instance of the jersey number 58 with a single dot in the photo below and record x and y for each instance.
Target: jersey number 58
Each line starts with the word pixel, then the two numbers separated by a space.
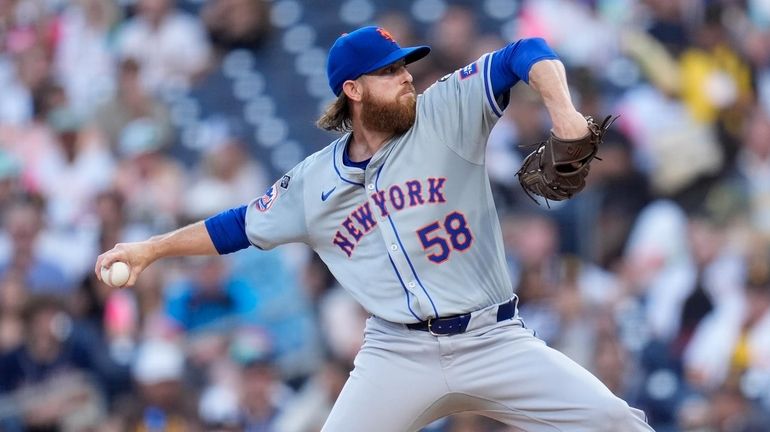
pixel 456 236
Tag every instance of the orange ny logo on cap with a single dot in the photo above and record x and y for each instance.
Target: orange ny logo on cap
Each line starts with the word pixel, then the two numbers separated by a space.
pixel 384 33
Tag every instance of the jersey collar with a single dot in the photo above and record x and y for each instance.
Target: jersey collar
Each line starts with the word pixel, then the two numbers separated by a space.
pixel 346 173
pixel 356 175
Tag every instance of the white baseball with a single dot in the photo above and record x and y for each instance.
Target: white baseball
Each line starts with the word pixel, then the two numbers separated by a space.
pixel 116 275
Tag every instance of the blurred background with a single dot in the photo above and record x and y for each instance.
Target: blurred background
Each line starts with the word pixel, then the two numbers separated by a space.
pixel 122 119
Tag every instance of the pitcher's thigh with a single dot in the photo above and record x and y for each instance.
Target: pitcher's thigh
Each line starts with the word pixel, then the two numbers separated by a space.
pixel 537 389
pixel 388 391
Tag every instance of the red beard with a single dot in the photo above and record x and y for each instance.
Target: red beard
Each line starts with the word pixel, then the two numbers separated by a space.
pixel 394 117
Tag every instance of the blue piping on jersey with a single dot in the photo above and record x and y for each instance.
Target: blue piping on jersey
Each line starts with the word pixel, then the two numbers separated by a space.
pixel 488 87
pixel 393 225
pixel 334 162
pixel 406 291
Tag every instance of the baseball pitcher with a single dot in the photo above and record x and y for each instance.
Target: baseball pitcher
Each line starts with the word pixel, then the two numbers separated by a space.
pixel 401 211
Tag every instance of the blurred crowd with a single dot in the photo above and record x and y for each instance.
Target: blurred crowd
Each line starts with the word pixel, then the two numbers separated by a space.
pixel 656 278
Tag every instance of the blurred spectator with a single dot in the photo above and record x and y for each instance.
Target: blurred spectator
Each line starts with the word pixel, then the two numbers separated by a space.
pixel 680 289
pixel 617 191
pixel 657 244
pixel 735 337
pixel 21 79
pixel 666 24
pixel 79 166
pixel 131 102
pixel 342 321
pixel 227 178
pixel 715 80
pixel 452 39
pixel 150 180
pixel 262 395
pixel 750 177
pixel 573 28
pixel 62 158
pixel 84 61
pixel 307 410
pixel 530 240
pixel 33 142
pixel 50 375
pixel 218 410
pixel 558 292
pixel 209 296
pixel 237 24
pixel 717 271
pixel 162 404
pixel 655 258
pixel 671 147
pixel 683 270
pixel 180 48
pixel 26 259
pixel 612 363
pixel 284 309
pixel 249 344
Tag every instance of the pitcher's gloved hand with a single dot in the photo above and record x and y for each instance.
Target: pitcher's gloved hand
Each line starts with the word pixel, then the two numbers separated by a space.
pixel 557 169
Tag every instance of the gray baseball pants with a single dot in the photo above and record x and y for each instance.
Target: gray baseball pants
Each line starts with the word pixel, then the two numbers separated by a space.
pixel 405 379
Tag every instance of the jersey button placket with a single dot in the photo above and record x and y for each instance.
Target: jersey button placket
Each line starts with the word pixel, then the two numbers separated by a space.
pixel 401 266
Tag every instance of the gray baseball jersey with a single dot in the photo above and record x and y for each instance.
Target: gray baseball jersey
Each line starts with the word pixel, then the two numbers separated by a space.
pixel 389 232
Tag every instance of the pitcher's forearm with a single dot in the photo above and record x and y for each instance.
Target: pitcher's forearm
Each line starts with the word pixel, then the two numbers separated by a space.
pixel 192 239
pixel 549 79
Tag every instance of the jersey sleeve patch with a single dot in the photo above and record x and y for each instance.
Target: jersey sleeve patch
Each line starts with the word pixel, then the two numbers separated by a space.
pixel 469 71
pixel 285 181
pixel 266 201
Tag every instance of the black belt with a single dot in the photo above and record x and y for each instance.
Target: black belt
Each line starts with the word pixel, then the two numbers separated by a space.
pixel 457 324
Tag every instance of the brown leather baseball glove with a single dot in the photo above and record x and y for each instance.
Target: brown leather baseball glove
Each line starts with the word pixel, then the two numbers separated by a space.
pixel 557 169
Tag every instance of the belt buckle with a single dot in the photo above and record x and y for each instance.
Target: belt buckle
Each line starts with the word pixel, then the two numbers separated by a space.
pixel 430 329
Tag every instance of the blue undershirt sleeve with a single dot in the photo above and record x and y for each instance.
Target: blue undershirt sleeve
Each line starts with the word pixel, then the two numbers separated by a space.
pixel 228 230
pixel 512 63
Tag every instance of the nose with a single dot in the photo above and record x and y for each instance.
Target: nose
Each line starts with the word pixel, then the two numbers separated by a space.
pixel 407 76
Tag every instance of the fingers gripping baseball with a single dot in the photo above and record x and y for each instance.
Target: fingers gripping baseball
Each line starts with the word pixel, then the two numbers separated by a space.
pixel 557 169
pixel 134 255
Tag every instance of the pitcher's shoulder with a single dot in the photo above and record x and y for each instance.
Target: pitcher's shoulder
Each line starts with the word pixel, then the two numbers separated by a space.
pixel 321 160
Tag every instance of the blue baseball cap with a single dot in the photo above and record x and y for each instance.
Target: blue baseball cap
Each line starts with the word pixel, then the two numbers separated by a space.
pixel 363 51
